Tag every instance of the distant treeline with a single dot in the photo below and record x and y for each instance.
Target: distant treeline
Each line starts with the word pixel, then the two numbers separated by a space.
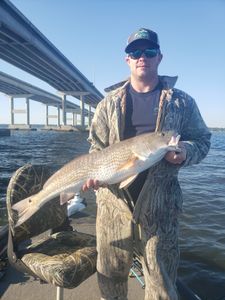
pixel 216 129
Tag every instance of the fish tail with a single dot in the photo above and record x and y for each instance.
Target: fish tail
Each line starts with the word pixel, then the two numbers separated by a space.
pixel 24 209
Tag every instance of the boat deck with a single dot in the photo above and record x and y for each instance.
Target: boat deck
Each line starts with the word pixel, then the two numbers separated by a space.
pixel 17 286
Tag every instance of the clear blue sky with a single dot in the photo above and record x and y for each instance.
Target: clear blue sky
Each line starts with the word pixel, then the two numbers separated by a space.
pixel 93 34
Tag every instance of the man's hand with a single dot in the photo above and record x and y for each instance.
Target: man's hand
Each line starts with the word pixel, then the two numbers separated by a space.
pixel 90 183
pixel 177 157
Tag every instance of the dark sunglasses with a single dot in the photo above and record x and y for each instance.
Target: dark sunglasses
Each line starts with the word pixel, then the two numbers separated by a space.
pixel 147 52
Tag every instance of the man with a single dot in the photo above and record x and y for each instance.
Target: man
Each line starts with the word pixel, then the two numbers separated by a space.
pixel 144 217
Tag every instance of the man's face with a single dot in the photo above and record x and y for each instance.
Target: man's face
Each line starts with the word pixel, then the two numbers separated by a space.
pixel 144 64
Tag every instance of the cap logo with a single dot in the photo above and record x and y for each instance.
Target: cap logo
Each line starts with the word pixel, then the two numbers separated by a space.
pixel 141 34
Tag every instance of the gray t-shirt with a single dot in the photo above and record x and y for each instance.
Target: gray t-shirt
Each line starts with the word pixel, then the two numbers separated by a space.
pixel 141 115
pixel 141 112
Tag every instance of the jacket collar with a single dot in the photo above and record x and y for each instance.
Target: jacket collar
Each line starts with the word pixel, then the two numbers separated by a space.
pixel 168 82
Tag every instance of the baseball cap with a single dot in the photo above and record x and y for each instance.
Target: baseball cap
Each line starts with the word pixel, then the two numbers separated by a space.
pixel 142 34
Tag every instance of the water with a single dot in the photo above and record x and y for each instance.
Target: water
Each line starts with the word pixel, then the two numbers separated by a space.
pixel 202 232
pixel 51 148
pixel 202 236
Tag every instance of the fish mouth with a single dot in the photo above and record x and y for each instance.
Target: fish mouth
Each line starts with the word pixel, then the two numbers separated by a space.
pixel 175 138
pixel 174 141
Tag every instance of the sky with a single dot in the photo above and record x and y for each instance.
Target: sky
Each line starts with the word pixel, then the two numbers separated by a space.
pixel 93 36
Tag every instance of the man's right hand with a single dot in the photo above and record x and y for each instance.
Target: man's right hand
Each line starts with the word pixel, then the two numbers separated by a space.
pixel 90 183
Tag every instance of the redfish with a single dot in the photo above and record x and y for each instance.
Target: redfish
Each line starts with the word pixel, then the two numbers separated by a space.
pixel 117 163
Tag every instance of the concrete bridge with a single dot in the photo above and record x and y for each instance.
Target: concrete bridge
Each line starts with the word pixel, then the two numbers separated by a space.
pixel 15 88
pixel 24 46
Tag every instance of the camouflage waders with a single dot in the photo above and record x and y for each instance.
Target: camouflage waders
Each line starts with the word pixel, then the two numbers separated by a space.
pixel 159 204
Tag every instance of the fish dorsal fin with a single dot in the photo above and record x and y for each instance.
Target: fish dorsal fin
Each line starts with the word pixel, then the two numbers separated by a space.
pixel 127 182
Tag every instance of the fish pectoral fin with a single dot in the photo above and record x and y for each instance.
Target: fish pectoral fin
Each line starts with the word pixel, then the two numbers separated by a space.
pixel 141 157
pixel 129 163
pixel 127 182
pixel 65 197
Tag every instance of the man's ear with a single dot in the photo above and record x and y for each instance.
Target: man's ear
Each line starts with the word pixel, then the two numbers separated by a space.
pixel 127 59
pixel 160 57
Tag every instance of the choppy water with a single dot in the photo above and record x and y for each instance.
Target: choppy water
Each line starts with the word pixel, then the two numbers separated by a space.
pixel 202 236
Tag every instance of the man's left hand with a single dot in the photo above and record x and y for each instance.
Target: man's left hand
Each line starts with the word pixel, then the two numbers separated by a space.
pixel 177 157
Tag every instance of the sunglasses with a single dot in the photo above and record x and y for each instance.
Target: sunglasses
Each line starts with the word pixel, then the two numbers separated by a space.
pixel 147 52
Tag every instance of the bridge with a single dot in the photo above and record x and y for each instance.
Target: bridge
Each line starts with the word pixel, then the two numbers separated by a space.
pixel 24 46
pixel 15 88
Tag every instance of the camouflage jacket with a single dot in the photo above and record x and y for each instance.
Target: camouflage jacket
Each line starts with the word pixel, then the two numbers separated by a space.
pixel 177 111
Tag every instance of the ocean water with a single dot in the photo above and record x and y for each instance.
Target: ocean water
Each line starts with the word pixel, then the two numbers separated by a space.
pixel 202 224
pixel 202 233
